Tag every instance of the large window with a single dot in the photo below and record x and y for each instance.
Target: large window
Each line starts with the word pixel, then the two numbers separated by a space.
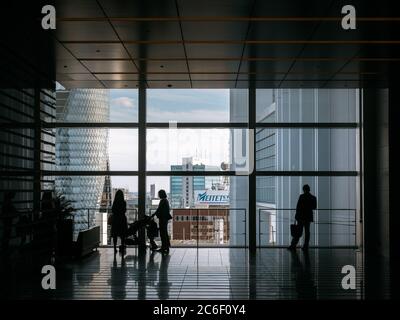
pixel 201 146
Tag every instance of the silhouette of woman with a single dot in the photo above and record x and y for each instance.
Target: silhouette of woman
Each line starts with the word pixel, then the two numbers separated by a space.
pixel 163 216
pixel 119 223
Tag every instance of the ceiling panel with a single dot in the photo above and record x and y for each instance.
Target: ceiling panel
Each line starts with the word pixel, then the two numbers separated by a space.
pixel 168 77
pixel 115 66
pixel 262 76
pixel 82 84
pixel 164 66
pixel 70 66
pixel 78 76
pixel 117 76
pixel 156 51
pixel 214 31
pixel 265 66
pixel 85 31
pixel 77 9
pixel 282 8
pixel 120 84
pixel 272 50
pixel 97 51
pixel 148 31
pixel 213 76
pixel 212 8
pixel 213 84
pixel 300 37
pixel 213 66
pixel 130 8
pixel 214 51
pixel 281 30
pixel 169 84
pixel 62 53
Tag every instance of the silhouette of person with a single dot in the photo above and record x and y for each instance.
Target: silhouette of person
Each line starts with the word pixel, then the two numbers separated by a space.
pixel 152 232
pixel 48 217
pixel 119 222
pixel 8 213
pixel 163 216
pixel 304 216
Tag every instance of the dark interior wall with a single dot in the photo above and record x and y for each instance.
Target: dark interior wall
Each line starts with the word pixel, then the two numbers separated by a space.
pixel 376 172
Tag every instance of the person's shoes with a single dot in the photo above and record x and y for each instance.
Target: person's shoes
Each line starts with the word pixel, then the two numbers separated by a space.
pixel 291 248
pixel 304 248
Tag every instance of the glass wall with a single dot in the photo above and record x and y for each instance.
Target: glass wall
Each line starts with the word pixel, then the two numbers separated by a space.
pixel 307 136
pixel 200 150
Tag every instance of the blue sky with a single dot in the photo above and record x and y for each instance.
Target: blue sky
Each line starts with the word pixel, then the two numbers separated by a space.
pixel 164 105
pixel 166 147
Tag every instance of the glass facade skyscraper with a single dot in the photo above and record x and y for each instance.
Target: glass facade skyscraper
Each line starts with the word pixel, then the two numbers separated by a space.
pixel 304 130
pixel 80 149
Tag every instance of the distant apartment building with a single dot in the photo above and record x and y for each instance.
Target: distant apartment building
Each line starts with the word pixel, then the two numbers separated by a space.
pixel 184 188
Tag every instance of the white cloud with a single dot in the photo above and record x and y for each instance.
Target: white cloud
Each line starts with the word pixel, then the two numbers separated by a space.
pixel 123 102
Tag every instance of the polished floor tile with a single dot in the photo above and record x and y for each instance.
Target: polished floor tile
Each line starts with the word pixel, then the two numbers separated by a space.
pixel 190 273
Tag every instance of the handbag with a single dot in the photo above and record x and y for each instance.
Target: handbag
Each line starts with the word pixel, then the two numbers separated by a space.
pixel 296 230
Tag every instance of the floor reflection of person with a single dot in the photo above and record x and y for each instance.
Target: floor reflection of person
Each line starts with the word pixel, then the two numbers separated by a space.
pixel 119 279
pixel 163 284
pixel 305 286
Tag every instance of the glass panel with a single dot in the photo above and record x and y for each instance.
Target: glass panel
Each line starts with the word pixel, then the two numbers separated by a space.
pixel 197 105
pixel 96 149
pixel 306 149
pixel 92 198
pixel 335 217
pixel 307 105
pixel 97 105
pixel 197 149
pixel 208 210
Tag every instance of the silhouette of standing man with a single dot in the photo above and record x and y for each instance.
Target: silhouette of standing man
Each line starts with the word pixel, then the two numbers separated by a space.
pixel 163 216
pixel 304 216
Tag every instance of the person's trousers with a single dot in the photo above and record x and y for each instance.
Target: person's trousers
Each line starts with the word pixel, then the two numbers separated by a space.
pixel 165 244
pixel 306 226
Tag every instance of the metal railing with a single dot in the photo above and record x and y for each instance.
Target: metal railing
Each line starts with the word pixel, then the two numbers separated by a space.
pixel 206 225
pixel 331 227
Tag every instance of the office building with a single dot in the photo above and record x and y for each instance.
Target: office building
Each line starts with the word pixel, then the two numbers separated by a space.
pixel 80 149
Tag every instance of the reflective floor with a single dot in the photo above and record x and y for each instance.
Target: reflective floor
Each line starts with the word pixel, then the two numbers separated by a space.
pixel 189 273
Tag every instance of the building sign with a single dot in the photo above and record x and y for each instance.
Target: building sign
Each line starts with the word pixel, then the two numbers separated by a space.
pixel 216 197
